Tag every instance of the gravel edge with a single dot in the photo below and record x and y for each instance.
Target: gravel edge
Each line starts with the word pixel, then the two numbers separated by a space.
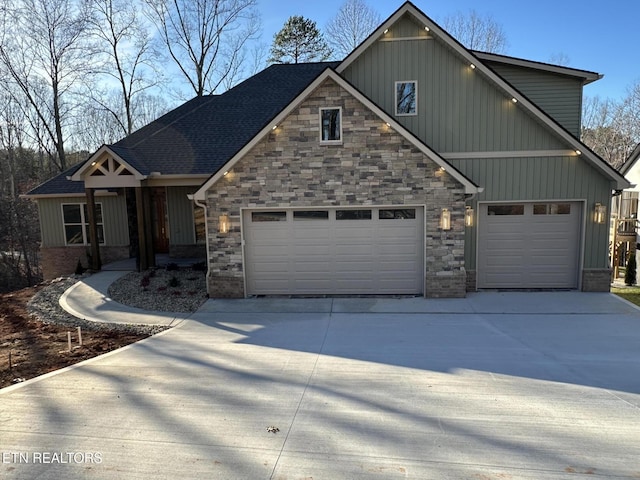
pixel 45 307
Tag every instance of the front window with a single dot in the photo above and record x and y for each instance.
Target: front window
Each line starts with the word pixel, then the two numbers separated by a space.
pixel 330 125
pixel 76 223
pixel 407 98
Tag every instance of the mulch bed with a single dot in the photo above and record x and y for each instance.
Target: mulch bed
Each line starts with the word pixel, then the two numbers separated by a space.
pixel 36 347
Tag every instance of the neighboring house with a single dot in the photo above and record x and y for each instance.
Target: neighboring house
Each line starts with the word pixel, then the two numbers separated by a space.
pixel 414 166
pixel 624 215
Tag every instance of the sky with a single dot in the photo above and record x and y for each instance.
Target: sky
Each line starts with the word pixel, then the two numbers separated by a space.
pixel 599 36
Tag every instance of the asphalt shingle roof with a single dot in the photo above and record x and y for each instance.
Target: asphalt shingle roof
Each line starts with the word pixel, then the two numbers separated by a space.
pixel 199 136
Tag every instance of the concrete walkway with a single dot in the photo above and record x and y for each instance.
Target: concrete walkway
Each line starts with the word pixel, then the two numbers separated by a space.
pixel 89 300
pixel 495 386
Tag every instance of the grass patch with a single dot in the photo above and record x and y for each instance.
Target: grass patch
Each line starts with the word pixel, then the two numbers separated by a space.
pixel 631 294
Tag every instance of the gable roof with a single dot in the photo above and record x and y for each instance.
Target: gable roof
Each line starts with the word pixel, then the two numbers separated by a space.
pixel 434 29
pixel 199 136
pixel 631 161
pixel 584 75
pixel 329 73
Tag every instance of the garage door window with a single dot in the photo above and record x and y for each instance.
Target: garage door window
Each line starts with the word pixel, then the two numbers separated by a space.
pixel 552 209
pixel 311 215
pixel 353 214
pixel 269 216
pixel 396 214
pixel 505 209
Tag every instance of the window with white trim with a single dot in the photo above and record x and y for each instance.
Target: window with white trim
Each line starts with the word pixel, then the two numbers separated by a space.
pixel 331 125
pixel 75 219
pixel 406 97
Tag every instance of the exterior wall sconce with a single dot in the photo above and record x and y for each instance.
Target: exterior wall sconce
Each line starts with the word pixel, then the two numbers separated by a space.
pixel 600 213
pixel 445 219
pixel 468 217
pixel 223 224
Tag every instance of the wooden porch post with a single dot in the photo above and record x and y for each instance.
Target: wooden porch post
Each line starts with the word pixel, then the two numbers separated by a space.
pixel 142 242
pixel 148 227
pixel 146 254
pixel 96 263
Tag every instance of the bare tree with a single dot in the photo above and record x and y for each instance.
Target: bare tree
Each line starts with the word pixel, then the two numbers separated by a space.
pixel 130 60
pixel 559 58
pixel 100 126
pixel 43 54
pixel 476 32
pixel 205 38
pixel 351 25
pixel 19 232
pixel 608 128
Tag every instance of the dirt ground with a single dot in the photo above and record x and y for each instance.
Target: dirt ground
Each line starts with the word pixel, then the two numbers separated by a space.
pixel 29 347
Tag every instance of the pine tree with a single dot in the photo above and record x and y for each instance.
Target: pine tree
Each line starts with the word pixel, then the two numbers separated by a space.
pixel 299 41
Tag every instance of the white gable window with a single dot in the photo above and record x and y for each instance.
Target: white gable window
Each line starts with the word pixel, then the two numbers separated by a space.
pixel 76 223
pixel 331 125
pixel 407 98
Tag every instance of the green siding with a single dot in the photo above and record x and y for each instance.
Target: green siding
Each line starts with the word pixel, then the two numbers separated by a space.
pixel 555 178
pixel 459 110
pixel 180 208
pixel 560 96
pixel 114 212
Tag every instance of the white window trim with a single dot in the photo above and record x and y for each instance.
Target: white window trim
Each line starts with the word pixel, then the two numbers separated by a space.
pixel 331 142
pixel 395 97
pixel 84 224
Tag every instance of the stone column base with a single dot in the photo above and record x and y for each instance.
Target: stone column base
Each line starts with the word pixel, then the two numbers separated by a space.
pixel 446 284
pixel 221 286
pixel 596 280
pixel 472 285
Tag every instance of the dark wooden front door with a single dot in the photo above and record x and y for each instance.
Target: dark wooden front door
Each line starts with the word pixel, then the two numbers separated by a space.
pixel 160 224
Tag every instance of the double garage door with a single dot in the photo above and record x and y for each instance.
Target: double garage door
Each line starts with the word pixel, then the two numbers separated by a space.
pixel 334 251
pixel 529 245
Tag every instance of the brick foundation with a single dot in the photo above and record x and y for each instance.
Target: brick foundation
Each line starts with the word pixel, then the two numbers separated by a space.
pixel 188 251
pixel 472 284
pixel 225 287
pixel 596 280
pixel 446 284
pixel 60 261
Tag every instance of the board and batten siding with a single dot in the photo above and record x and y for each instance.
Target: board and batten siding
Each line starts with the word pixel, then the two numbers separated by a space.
pixel 180 212
pixel 459 110
pixel 114 216
pixel 549 178
pixel 560 96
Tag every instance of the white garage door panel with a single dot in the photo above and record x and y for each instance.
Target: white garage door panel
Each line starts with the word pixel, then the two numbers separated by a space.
pixel 334 256
pixel 530 250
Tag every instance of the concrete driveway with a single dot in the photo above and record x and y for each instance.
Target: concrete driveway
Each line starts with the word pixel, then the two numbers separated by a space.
pixel 495 386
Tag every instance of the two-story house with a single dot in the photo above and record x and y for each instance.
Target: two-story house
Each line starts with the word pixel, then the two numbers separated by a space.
pixel 413 166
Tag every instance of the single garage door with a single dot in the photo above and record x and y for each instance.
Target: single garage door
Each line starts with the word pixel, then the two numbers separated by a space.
pixel 529 245
pixel 334 251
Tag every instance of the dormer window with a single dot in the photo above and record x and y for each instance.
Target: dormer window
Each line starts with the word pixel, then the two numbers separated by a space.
pixel 407 98
pixel 331 125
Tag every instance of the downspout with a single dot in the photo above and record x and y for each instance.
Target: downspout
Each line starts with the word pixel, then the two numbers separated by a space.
pixel 206 231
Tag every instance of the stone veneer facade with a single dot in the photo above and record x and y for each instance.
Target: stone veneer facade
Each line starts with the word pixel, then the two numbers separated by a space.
pixel 374 165
pixel 596 280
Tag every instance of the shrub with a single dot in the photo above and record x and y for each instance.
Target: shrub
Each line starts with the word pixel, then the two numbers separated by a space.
pixel 199 267
pixel 174 282
pixel 79 268
pixel 144 282
pixel 630 273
